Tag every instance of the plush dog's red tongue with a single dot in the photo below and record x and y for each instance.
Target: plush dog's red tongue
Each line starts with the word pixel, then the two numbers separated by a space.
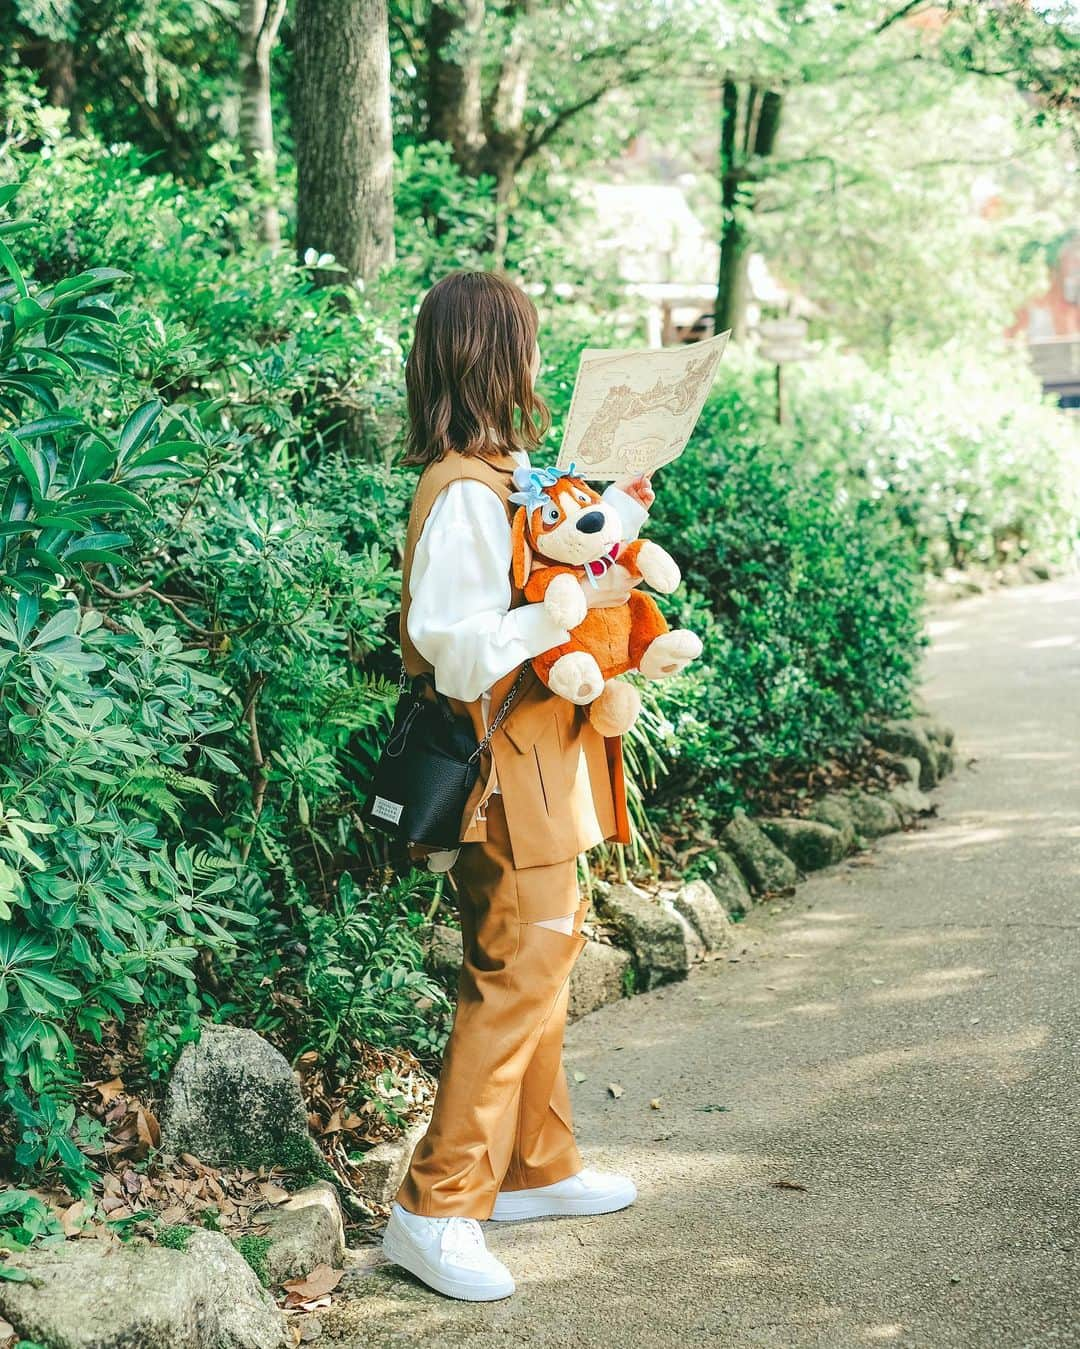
pixel 601 564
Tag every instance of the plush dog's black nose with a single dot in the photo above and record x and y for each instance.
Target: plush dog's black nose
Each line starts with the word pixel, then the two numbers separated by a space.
pixel 590 522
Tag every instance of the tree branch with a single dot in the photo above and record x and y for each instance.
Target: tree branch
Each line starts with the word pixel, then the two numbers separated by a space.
pixel 901 13
pixel 147 589
pixel 271 21
pixel 259 777
pixel 538 137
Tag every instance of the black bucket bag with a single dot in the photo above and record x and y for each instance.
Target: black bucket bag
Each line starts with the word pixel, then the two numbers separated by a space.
pixel 429 765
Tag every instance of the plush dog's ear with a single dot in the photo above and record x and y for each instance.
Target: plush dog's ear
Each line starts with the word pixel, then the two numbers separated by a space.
pixel 522 553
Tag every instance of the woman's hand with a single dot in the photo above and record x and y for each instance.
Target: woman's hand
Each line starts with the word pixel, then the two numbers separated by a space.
pixel 640 488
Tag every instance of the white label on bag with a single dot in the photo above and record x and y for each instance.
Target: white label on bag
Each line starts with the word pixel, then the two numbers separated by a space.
pixel 386 810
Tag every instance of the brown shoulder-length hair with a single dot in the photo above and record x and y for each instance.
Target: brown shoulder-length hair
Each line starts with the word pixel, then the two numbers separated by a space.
pixel 468 375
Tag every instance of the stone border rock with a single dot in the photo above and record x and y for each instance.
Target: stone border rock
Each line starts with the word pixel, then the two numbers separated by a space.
pixel 656 937
pixel 302 1233
pixel 93 1295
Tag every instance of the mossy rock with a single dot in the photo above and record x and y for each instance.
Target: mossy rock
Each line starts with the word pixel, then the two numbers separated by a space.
pixel 728 883
pixel 873 815
pixel 89 1295
pixel 835 811
pixel 443 953
pixel 811 844
pixel 946 761
pixel 908 739
pixel 698 904
pixel 234 1101
pixel 653 934
pixel 935 730
pixel 762 863
pixel 910 801
pixel 598 977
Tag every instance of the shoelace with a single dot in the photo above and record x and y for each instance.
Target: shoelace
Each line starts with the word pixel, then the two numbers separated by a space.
pixel 462 1237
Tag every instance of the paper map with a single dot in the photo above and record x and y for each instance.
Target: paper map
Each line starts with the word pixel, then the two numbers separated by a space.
pixel 634 410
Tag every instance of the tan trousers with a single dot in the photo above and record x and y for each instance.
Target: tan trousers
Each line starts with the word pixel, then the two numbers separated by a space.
pixel 502 1118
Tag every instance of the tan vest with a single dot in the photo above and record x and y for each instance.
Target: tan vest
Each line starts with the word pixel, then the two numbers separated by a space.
pixel 562 782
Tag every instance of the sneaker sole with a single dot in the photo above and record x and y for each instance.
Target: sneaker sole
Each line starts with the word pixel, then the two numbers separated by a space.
pixel 509 1211
pixel 412 1261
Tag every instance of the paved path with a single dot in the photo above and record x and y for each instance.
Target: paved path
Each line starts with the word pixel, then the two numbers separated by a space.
pixel 900 1040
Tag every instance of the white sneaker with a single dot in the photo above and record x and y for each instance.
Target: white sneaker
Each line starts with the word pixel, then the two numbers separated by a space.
pixel 448 1254
pixel 587 1192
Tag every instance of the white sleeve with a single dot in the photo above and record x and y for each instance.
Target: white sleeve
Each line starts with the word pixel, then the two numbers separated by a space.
pixel 460 618
pixel 631 512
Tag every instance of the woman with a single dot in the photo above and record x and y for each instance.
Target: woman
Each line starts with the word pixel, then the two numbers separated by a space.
pixel 500 1144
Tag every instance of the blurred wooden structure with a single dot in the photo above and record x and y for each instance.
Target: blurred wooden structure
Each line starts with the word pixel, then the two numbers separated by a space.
pixel 1051 325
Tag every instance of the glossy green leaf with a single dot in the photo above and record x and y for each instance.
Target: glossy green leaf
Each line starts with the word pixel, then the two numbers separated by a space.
pixel 138 427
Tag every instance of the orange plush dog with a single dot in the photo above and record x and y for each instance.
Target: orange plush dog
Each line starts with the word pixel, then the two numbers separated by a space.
pixel 565 536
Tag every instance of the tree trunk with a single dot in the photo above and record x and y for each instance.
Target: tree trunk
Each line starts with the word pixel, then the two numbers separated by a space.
pixel 730 282
pixel 454 92
pixel 344 155
pixel 738 178
pixel 501 160
pixel 504 119
pixel 259 23
pixel 487 135
pixel 59 78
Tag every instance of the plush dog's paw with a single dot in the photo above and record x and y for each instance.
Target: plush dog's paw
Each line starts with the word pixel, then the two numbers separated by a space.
pixel 576 677
pixel 565 601
pixel 617 708
pixel 658 567
pixel 669 653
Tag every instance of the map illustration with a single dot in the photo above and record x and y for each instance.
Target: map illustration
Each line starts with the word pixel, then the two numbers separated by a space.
pixel 634 410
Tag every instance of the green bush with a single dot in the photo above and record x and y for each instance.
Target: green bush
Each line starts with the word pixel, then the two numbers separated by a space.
pixel 170 612
pixel 807 599
pixel 103 723
pixel 326 974
pixel 976 465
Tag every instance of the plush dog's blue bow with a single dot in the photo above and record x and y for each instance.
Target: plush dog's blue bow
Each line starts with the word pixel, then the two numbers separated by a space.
pixel 534 481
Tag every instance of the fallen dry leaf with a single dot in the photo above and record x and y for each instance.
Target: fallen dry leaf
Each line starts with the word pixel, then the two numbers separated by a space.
pixel 315 1304
pixel 615 1089
pixel 109 1091
pixel 149 1130
pixel 341 1119
pixel 73 1219
pixel 321 1280
pixel 273 1194
pixel 313 1290
pixel 656 1103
